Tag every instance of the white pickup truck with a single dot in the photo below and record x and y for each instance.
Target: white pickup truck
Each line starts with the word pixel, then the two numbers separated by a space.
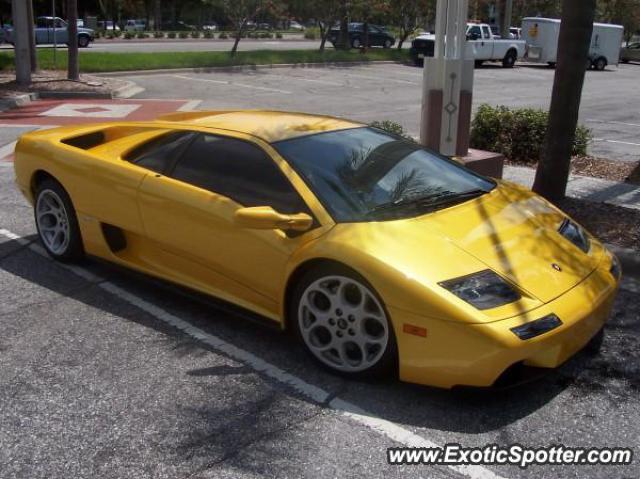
pixel 486 46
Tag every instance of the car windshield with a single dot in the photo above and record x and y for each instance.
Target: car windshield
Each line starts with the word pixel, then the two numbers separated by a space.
pixel 364 174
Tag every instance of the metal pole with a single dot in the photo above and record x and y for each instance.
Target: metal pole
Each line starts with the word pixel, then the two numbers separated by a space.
pixel 55 43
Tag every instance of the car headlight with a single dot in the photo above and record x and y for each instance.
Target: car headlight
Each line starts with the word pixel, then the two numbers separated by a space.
pixel 483 290
pixel 575 234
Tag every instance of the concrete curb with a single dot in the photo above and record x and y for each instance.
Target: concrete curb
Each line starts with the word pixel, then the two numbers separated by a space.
pixel 244 67
pixel 629 259
pixel 125 91
pixel 18 100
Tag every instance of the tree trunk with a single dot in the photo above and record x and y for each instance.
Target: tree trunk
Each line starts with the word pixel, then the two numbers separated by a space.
pixel 403 37
pixel 239 32
pixel 32 38
pixel 324 34
pixel 157 15
pixel 21 42
pixel 573 50
pixel 344 42
pixel 73 70
pixel 365 37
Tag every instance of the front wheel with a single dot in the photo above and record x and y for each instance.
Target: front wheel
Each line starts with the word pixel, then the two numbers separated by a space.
pixel 600 64
pixel 57 223
pixel 83 41
pixel 356 43
pixel 509 59
pixel 387 44
pixel 343 324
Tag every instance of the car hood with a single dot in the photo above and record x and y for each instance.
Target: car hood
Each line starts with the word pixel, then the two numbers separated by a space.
pixel 509 230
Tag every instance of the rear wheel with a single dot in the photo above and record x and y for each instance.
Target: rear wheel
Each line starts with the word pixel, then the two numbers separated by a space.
pixel 509 59
pixel 342 323
pixel 387 43
pixel 600 64
pixel 83 41
pixel 57 223
pixel 356 43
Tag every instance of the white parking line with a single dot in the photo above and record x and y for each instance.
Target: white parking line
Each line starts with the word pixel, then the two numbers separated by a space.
pixel 233 83
pixel 617 141
pixel 321 396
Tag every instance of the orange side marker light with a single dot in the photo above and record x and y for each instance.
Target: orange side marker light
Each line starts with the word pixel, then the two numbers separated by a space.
pixel 415 330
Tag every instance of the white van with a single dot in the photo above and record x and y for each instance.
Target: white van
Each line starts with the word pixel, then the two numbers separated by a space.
pixel 541 35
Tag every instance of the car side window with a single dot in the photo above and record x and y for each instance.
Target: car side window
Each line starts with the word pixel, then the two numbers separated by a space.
pixel 486 33
pixel 238 170
pixel 474 31
pixel 41 23
pixel 160 153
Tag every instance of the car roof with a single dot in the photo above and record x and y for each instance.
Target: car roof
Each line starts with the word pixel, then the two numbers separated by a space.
pixel 270 126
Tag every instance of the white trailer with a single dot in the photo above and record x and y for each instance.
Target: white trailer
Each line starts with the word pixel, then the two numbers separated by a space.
pixel 541 36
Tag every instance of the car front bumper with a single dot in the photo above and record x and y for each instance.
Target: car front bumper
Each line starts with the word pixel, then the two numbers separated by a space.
pixel 457 354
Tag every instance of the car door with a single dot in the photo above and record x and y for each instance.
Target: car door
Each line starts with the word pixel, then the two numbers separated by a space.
pixel 189 214
pixel 61 32
pixel 42 30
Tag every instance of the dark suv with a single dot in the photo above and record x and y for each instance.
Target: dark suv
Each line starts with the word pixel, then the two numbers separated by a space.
pixel 378 36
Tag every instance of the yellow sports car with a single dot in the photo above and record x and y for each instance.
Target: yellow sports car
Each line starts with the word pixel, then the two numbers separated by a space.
pixel 381 256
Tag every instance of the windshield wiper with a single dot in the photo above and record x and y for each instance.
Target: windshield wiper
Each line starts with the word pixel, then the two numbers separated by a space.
pixel 429 201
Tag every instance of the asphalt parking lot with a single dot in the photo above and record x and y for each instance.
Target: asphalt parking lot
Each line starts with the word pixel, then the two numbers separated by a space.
pixel 610 101
pixel 106 373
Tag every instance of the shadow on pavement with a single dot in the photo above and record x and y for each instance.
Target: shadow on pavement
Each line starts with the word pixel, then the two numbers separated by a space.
pixel 469 411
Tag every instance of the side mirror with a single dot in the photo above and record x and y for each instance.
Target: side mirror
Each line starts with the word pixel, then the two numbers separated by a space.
pixel 266 218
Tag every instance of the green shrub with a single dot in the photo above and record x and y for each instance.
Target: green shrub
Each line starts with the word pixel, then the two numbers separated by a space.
pixel 392 127
pixel 109 36
pixel 195 34
pixel 266 35
pixel 117 33
pixel 279 35
pixel 207 34
pixel 128 35
pixel 183 35
pixel 141 35
pixel 518 133
pixel 311 33
pixel 223 36
pixel 171 35
pixel 158 34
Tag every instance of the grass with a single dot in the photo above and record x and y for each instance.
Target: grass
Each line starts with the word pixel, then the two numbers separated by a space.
pixel 111 62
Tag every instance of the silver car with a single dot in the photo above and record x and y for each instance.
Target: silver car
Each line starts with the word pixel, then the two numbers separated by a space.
pixel 54 30
pixel 630 53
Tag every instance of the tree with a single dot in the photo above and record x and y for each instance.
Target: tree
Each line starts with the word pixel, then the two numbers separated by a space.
pixel 240 12
pixel 325 12
pixel 409 15
pixel 621 12
pixel 573 50
pixel 73 67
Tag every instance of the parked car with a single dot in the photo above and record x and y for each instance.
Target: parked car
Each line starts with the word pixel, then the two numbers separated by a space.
pixel 211 26
pixel 133 25
pixel 630 53
pixel 486 47
pixel 54 30
pixel 264 26
pixel 309 223
pixel 294 25
pixel 108 26
pixel 178 26
pixel 378 36
pixel 541 36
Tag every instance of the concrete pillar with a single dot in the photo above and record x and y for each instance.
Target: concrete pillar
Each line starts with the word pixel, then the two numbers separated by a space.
pixel 448 83
pixel 21 41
